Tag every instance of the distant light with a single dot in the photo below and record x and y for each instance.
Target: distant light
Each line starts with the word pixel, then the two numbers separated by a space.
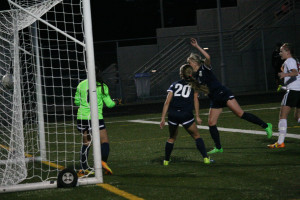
pixel 153 70
pixel 205 48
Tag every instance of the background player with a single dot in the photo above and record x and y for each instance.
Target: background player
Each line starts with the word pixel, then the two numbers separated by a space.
pixel 179 104
pixel 219 96
pixel 291 97
pixel 84 121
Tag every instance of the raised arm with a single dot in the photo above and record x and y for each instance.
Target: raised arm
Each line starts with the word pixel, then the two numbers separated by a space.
pixel 195 44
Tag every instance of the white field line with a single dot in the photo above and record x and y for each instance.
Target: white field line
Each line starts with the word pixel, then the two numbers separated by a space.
pixel 229 111
pixel 289 135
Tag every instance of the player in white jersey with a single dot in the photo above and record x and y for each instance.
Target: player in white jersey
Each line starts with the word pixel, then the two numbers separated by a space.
pixel 291 75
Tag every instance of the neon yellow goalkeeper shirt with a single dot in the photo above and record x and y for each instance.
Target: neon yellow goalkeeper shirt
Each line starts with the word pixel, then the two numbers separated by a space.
pixel 82 100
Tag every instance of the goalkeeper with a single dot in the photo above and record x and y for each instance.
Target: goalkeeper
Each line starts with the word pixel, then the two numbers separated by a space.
pixel 84 121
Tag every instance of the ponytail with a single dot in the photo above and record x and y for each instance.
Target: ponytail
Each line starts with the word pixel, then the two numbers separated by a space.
pixel 186 73
pixel 99 80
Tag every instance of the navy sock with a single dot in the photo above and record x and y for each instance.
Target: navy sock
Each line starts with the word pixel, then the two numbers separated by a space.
pixel 84 153
pixel 168 150
pixel 215 136
pixel 105 151
pixel 201 147
pixel 254 119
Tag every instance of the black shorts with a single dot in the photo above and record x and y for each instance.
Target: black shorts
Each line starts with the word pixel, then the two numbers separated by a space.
pixel 186 119
pixel 86 125
pixel 219 98
pixel 291 98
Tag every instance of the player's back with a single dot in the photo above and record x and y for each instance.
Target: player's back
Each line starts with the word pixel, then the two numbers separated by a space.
pixel 183 96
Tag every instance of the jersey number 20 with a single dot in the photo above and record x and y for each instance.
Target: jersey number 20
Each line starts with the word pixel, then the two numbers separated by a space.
pixel 182 90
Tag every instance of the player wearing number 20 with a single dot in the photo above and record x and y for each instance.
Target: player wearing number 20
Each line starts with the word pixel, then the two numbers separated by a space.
pixel 179 104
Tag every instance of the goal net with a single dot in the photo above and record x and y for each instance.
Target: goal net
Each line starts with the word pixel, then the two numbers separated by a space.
pixel 42 60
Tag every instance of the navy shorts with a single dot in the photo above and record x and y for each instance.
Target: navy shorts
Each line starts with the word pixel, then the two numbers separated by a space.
pixel 291 98
pixel 219 98
pixel 186 119
pixel 86 125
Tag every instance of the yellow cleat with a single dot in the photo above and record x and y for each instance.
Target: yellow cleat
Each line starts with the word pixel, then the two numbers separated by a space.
pixel 166 163
pixel 106 168
pixel 84 173
pixel 276 145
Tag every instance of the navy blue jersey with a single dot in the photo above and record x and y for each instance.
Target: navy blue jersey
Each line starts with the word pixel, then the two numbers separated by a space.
pixel 205 76
pixel 183 97
pixel 218 94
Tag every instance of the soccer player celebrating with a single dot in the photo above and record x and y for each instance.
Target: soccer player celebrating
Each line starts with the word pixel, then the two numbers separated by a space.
pixel 291 98
pixel 84 121
pixel 180 102
pixel 219 96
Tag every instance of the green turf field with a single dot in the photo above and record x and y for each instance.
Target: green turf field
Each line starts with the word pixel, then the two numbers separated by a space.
pixel 246 170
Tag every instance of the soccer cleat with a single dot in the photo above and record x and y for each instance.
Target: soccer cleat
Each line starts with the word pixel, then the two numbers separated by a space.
pixel 85 173
pixel 269 130
pixel 280 88
pixel 206 160
pixel 80 173
pixel 166 163
pixel 106 168
pixel 276 145
pixel 215 150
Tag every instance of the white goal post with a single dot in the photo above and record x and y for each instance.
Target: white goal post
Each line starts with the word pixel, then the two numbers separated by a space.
pixel 46 49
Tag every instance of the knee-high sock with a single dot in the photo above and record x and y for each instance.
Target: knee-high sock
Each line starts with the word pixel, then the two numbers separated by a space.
pixel 84 154
pixel 254 119
pixel 215 136
pixel 104 151
pixel 168 150
pixel 282 126
pixel 201 147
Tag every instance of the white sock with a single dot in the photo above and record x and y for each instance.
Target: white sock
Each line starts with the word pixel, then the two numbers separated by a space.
pixel 298 120
pixel 282 126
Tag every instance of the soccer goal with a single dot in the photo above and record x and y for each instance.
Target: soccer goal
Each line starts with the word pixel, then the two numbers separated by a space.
pixel 46 49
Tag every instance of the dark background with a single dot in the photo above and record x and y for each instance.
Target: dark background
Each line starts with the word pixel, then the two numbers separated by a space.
pixel 127 19
pixel 134 22
pixel 123 19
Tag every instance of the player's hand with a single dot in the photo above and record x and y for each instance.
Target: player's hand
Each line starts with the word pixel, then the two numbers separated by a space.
pixel 194 42
pixel 162 123
pixel 281 75
pixel 199 120
pixel 117 101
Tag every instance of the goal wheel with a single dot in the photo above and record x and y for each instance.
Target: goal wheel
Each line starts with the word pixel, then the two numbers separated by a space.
pixel 67 178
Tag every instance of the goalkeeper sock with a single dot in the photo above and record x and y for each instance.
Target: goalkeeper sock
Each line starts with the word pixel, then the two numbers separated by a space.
pixel 84 156
pixel 214 133
pixel 105 151
pixel 168 150
pixel 201 147
pixel 254 119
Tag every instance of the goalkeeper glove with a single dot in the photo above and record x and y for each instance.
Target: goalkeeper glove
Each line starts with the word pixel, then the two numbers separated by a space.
pixel 117 101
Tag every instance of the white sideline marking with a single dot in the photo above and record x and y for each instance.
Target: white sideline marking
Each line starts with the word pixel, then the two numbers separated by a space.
pixel 252 109
pixel 255 132
pixel 229 111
